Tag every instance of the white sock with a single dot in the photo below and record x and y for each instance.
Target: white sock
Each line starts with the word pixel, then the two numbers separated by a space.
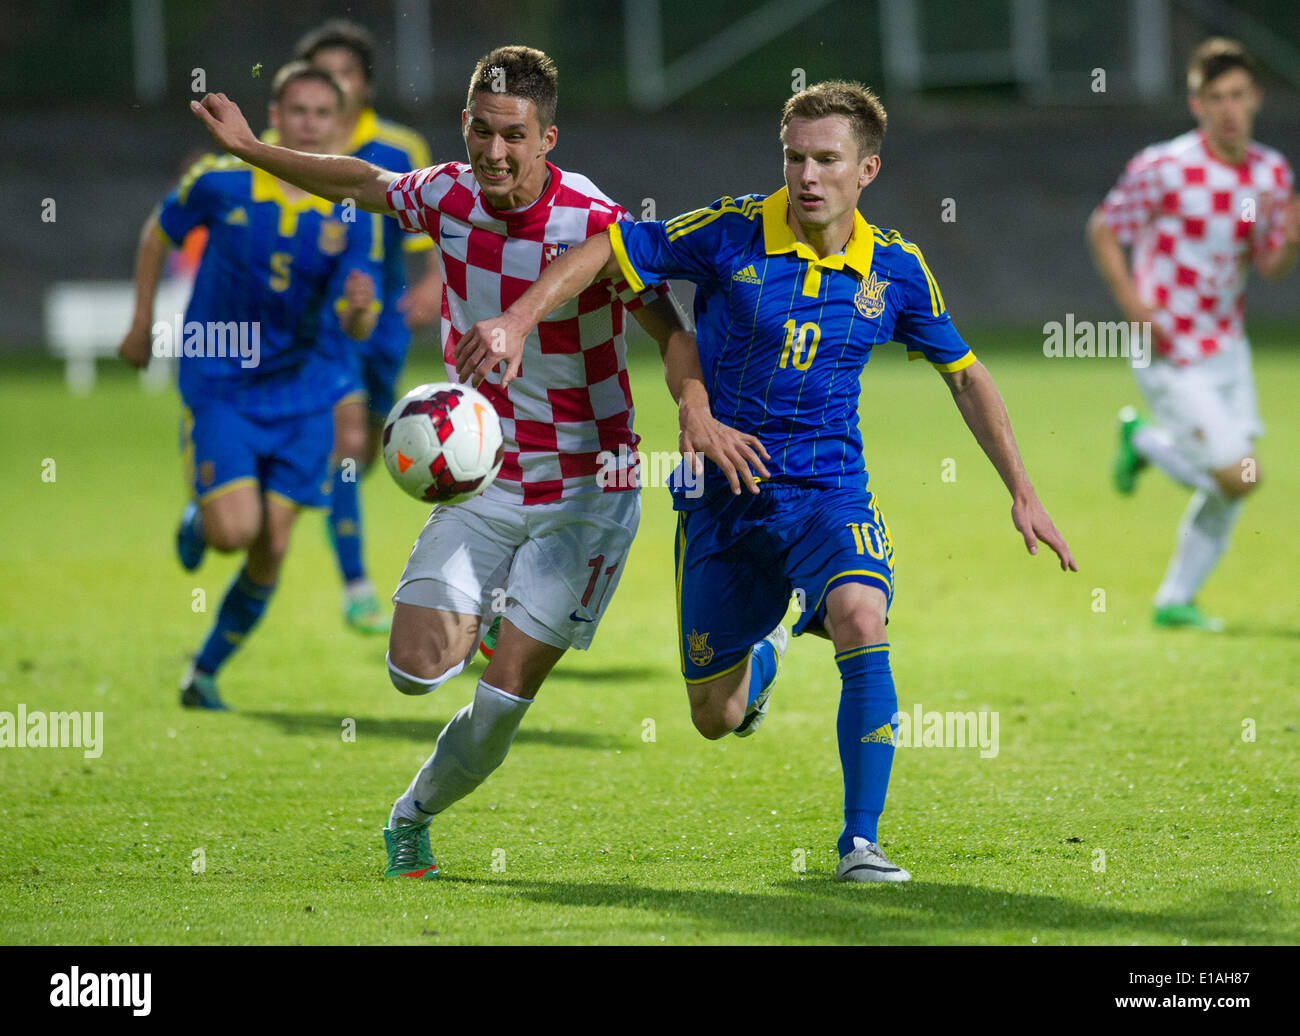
pixel 469 748
pixel 1203 536
pixel 1153 444
pixel 358 589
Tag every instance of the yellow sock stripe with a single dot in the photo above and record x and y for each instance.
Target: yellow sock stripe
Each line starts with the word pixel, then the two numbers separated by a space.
pixel 855 652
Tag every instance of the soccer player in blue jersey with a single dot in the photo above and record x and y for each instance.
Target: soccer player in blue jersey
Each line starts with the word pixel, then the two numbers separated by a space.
pixel 346 51
pixel 260 368
pixel 793 291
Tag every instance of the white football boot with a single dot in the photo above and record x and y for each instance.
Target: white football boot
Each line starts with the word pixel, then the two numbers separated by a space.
pixel 867 863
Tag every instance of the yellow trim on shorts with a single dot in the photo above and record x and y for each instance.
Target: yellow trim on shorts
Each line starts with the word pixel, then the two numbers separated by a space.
pixel 681 557
pixel 187 451
pixel 715 676
pixel 226 487
pixel 852 572
pixel 297 505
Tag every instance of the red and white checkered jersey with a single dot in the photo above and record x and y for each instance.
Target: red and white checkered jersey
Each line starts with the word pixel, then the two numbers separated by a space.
pixel 1195 223
pixel 567 418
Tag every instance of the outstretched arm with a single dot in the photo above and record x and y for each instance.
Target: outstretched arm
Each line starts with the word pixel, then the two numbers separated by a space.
pixel 985 414
pixel 149 262
pixel 336 178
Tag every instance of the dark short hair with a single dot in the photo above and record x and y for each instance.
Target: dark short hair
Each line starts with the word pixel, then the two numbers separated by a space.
pixel 300 71
pixel 518 72
pixel 338 32
pixel 1214 57
pixel 854 101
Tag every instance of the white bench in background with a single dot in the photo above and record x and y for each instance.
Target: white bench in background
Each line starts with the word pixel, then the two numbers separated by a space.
pixel 85 321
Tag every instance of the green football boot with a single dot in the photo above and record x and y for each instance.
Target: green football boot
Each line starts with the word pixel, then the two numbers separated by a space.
pixel 489 642
pixel 1186 616
pixel 409 855
pixel 364 615
pixel 1127 464
pixel 199 691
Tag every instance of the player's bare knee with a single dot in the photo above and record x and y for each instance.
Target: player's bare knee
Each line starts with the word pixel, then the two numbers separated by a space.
pixel 859 627
pixel 1239 480
pixel 711 724
pixel 226 533
pixel 419 659
pixel 352 444
pixel 716 719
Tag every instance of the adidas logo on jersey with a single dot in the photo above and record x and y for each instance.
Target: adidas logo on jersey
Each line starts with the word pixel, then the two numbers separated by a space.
pixel 237 217
pixel 747 276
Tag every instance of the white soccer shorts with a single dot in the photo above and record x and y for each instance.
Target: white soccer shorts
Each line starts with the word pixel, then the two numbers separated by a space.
pixel 1209 409
pixel 551 569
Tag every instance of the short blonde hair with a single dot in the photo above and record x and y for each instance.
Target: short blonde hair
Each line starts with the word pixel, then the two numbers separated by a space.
pixel 854 101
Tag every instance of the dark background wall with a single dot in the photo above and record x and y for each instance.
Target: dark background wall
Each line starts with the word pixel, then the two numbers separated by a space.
pixel 1023 166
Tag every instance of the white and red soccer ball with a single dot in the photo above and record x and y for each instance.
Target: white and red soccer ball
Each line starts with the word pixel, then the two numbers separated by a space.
pixel 442 443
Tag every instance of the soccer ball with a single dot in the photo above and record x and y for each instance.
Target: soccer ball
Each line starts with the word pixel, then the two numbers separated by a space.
pixel 442 443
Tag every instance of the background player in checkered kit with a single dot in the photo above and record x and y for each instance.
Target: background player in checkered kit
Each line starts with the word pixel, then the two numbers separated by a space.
pixel 554 528
pixel 1197 211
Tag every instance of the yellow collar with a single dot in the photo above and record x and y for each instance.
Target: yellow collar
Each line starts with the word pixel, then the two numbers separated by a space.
pixel 779 238
pixel 364 131
pixel 267 188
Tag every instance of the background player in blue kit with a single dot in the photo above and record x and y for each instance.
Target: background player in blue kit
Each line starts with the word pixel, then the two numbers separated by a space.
pixel 258 428
pixel 346 51
pixel 794 291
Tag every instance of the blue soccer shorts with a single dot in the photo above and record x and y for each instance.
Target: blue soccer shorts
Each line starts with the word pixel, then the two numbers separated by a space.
pixel 740 558
pixel 289 457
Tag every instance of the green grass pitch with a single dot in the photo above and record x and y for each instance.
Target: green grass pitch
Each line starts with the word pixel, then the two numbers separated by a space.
pixel 612 821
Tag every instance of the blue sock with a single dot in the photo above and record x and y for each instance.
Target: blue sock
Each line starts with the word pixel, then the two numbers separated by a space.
pixel 865 728
pixel 243 605
pixel 762 669
pixel 345 524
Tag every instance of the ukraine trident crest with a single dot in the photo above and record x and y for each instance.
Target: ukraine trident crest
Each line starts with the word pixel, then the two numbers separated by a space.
pixel 700 652
pixel 870 298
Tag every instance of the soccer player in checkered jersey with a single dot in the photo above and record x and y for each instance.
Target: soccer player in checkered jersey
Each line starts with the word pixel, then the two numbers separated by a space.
pixel 1197 211
pixel 554 528
pixel 794 291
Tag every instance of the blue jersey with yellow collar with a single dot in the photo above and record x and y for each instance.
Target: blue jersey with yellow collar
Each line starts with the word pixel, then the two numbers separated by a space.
pixel 272 272
pixel 399 149
pixel 783 335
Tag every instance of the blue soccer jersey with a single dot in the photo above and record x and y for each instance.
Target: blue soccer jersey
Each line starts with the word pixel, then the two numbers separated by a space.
pixel 272 275
pixel 399 149
pixel 784 335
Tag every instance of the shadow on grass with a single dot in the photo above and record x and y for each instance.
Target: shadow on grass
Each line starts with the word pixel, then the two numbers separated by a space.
pixel 1277 632
pixel 820 910
pixel 611 674
pixel 424 731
